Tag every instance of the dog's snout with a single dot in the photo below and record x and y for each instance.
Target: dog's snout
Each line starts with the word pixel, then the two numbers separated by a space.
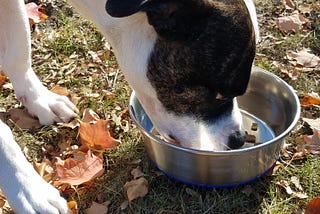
pixel 236 139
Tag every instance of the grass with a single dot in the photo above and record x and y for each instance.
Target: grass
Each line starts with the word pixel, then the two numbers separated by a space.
pixel 61 57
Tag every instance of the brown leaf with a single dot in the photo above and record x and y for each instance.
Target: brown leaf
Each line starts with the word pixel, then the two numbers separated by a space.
pixel 23 119
pixel 291 23
pixel 313 206
pixel 78 171
pixel 89 116
pixel 285 185
pixel 275 168
pixel 3 79
pixel 96 135
pixel 45 169
pixel 313 123
pixel 73 207
pixel 74 98
pixel 60 90
pixel 95 57
pixel 305 8
pixel 288 4
pixel 313 142
pixel 303 58
pixel 34 15
pixel 310 99
pixel 136 188
pixel 98 208
pixel 137 173
pixel 293 75
pixel 72 124
pixel 109 95
pixel 295 180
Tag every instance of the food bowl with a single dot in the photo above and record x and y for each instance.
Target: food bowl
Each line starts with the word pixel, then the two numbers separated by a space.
pixel 269 101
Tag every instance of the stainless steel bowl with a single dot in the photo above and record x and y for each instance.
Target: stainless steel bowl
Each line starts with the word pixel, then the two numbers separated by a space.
pixel 268 100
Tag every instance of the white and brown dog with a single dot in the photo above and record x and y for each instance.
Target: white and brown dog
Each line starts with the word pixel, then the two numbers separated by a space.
pixel 186 60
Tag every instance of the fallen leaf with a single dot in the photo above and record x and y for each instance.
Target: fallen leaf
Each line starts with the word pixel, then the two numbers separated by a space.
pixel 3 79
pixel 291 23
pixel 310 99
pixel 275 168
pixel 66 145
pixel 300 195
pixel 98 208
pixel 96 135
pixel 23 119
pixel 313 123
pixel 7 86
pixel 109 95
pixel 136 188
pixel 305 8
pixel 313 142
pixel 313 206
pixel 303 58
pixel 124 205
pixel 286 186
pixel 89 116
pixel 74 98
pixel 45 169
pixel 60 90
pixel 137 173
pixel 295 180
pixel 95 57
pixel 72 124
pixel 292 74
pixel 73 207
pixel 288 4
pixel 92 95
pixel 4 206
pixel 78 171
pixel 34 15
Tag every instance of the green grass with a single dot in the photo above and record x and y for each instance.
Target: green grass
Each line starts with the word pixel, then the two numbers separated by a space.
pixel 68 51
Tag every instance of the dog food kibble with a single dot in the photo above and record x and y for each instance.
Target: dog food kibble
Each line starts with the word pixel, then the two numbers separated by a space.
pixel 254 126
pixel 250 138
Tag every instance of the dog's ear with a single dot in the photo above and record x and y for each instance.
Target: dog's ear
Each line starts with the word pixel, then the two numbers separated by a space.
pixel 123 8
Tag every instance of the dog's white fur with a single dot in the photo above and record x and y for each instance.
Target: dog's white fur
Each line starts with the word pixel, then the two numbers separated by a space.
pixel 131 35
pixel 26 191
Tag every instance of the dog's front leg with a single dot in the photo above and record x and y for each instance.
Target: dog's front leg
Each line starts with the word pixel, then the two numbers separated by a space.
pixel 15 58
pixel 25 190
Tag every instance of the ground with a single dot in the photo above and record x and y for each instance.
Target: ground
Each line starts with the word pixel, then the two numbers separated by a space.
pixel 69 52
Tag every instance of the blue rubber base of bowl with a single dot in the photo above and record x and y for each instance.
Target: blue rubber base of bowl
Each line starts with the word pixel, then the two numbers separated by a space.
pixel 214 186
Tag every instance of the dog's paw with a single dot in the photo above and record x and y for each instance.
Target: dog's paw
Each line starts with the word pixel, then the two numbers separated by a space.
pixel 37 196
pixel 50 107
pixel 40 102
pixel 23 187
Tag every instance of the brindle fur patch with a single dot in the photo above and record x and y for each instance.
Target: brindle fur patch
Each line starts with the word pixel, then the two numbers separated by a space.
pixel 204 48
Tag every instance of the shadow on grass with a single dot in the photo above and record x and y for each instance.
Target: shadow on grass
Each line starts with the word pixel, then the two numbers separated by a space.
pixel 169 196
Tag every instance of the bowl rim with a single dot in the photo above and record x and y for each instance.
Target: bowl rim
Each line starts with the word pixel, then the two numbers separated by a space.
pixel 228 152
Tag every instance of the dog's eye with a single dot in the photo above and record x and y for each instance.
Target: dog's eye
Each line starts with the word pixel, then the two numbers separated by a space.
pixel 178 89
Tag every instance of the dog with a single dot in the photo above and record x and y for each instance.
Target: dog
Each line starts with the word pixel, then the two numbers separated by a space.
pixel 186 60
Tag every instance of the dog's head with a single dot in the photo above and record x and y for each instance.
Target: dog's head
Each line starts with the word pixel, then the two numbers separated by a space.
pixel 201 60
